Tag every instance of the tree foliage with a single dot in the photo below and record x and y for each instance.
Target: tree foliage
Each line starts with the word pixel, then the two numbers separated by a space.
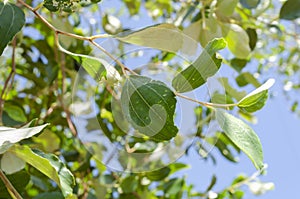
pixel 91 105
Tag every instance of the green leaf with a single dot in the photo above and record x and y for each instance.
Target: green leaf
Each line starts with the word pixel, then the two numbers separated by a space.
pixel 245 78
pixel 206 65
pixel 18 180
pixel 96 1
pixel 133 6
pixel 14 111
pixel 223 143
pixel 63 25
pixel 12 21
pixel 174 186
pixel 11 164
pixel 209 31
pixel 166 37
pixel 44 139
pixel 159 174
pixel 219 98
pixel 8 121
pixel 238 64
pixel 247 116
pixel 242 136
pixel 149 106
pixel 226 7
pixel 92 66
pixel 95 67
pixel 49 195
pixel 204 33
pixel 294 106
pixel 212 183
pixel 252 34
pixel 129 196
pixel 177 166
pixel 236 194
pixel 250 4
pixel 232 92
pixel 47 164
pixel 129 184
pixel 290 10
pixel 256 99
pixel 10 136
pixel 237 39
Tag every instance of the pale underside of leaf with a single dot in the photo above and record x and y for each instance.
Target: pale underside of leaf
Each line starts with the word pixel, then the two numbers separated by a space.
pixel 242 136
pixel 11 164
pixel 166 37
pixel 10 136
pixel 237 39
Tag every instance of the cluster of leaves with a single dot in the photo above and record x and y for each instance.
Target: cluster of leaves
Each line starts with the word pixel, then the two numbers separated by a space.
pixel 52 161
pixel 66 6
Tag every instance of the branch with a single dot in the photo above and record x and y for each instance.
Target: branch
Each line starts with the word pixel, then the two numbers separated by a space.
pixel 123 67
pixel 34 10
pixel 11 189
pixel 89 39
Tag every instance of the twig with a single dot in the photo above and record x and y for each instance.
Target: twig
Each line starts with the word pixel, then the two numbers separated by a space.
pixel 11 189
pixel 34 10
pixel 252 177
pixel 207 104
pixel 89 39
pixel 123 67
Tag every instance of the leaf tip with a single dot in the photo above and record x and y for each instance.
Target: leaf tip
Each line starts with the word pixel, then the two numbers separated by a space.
pixel 270 82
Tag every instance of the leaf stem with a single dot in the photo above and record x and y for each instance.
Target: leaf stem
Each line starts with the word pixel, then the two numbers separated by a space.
pixel 11 189
pixel 207 104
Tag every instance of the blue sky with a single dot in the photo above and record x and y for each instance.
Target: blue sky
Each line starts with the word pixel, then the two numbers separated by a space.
pixel 278 130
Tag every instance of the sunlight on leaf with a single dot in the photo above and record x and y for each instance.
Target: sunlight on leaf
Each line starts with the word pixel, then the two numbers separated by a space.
pixel 205 66
pixel 166 37
pixel 149 106
pixel 256 99
pixel 49 165
pixel 10 136
pixel 242 136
